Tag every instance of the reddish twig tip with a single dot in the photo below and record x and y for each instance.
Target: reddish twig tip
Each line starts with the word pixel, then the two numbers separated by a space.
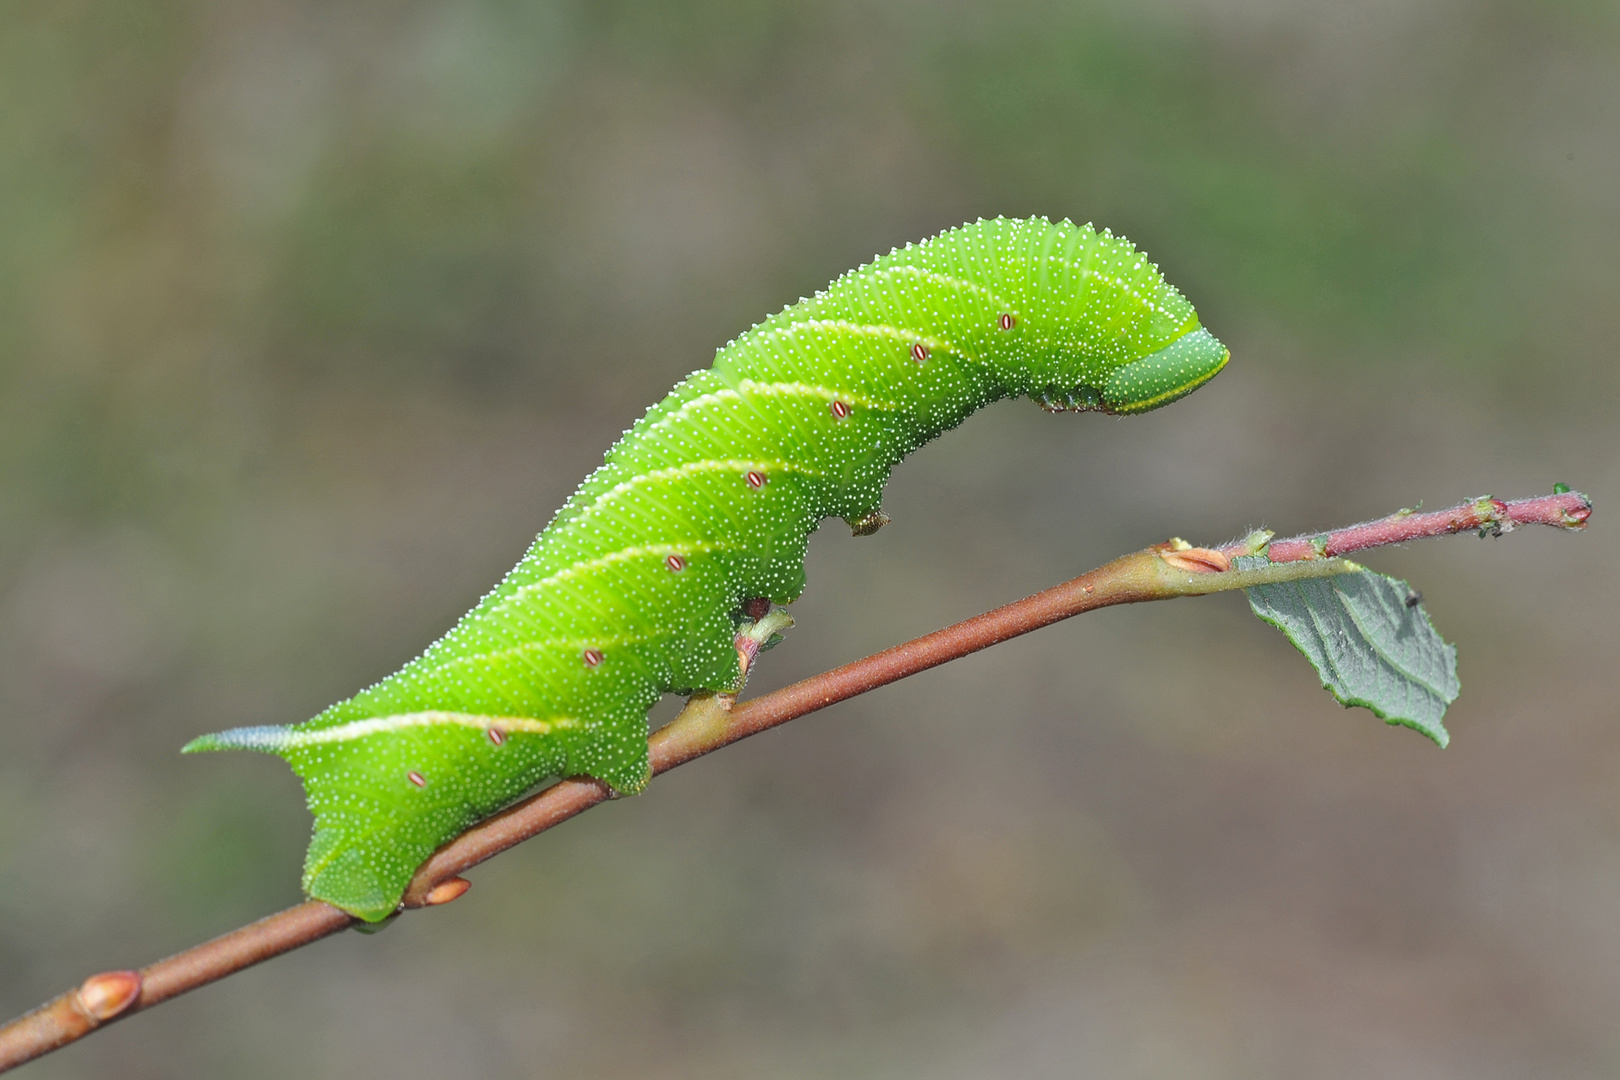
pixel 1486 515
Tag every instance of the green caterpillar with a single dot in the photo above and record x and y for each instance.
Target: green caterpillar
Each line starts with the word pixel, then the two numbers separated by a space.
pixel 701 514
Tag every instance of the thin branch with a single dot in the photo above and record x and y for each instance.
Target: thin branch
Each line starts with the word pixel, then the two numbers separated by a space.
pixel 1485 515
pixel 710 722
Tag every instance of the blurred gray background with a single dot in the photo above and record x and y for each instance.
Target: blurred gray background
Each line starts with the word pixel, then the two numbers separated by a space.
pixel 312 313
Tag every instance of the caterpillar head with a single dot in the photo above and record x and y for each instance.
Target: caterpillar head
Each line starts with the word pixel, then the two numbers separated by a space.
pixel 1160 378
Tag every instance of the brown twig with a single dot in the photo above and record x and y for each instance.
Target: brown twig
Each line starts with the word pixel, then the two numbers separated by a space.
pixel 713 721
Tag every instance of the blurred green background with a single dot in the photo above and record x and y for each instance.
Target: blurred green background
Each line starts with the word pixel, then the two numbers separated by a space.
pixel 311 314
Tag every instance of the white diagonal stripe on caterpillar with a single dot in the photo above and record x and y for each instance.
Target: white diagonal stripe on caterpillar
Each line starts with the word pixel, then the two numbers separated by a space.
pixel 749 387
pixel 529 648
pixel 897 333
pixel 636 551
pixel 276 739
pixel 677 472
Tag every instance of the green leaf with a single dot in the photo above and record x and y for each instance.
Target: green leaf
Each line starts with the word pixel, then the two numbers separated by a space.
pixel 1370 640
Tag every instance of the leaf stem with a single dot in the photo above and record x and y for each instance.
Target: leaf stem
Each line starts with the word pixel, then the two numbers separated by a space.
pixel 711 721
